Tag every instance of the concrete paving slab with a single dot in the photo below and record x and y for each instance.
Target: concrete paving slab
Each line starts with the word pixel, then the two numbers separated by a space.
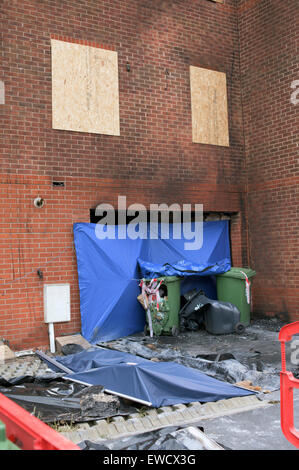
pixel 169 416
pixel 257 429
pixel 71 339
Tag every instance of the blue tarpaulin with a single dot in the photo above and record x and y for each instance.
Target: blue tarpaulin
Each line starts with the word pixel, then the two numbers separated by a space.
pixel 109 270
pixel 182 268
pixel 156 383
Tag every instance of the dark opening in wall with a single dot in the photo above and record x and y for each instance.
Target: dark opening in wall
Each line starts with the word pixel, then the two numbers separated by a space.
pixel 58 184
pixel 207 216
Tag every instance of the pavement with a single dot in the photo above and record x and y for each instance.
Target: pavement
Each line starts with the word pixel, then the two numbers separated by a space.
pixel 257 429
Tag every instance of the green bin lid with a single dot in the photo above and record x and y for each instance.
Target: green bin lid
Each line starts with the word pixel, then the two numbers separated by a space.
pixel 237 273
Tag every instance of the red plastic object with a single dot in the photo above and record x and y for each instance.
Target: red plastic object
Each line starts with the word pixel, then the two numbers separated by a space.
pixel 287 384
pixel 28 432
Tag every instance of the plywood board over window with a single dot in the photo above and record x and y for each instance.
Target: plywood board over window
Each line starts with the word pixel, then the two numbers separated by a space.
pixel 209 107
pixel 84 88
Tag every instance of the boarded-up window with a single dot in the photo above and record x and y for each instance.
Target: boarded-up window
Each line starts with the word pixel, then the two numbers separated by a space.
pixel 209 107
pixel 84 88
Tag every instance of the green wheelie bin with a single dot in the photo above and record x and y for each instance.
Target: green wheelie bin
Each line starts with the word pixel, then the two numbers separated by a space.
pixel 165 319
pixel 234 286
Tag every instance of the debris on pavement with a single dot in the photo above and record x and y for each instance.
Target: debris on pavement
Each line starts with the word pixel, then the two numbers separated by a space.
pixel 138 379
pixel 95 403
pixel 247 384
pixel 168 438
pixel 64 342
pixel 228 369
pixel 55 401
pixel 250 361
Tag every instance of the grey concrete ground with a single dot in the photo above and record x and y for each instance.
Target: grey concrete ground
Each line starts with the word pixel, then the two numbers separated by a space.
pixel 257 429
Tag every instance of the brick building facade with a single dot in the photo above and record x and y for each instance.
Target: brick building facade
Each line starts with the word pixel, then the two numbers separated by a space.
pixel 153 160
pixel 269 70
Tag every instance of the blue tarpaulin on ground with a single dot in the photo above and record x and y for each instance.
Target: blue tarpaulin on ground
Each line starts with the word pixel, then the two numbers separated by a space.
pixel 157 383
pixel 109 270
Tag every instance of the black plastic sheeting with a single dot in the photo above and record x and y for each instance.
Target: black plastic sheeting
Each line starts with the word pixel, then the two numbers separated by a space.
pixel 55 400
pixel 168 438
pixel 217 317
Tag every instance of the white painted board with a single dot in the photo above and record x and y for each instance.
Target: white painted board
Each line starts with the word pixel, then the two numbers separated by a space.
pixel 57 303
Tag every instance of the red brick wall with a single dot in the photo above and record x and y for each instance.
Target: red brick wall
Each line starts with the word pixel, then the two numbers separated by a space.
pixel 269 64
pixel 153 160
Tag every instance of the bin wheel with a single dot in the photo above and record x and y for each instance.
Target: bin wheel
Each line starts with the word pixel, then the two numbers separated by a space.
pixel 145 330
pixel 239 328
pixel 174 331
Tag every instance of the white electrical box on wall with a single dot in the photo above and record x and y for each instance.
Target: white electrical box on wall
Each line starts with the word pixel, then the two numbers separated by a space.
pixel 57 303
